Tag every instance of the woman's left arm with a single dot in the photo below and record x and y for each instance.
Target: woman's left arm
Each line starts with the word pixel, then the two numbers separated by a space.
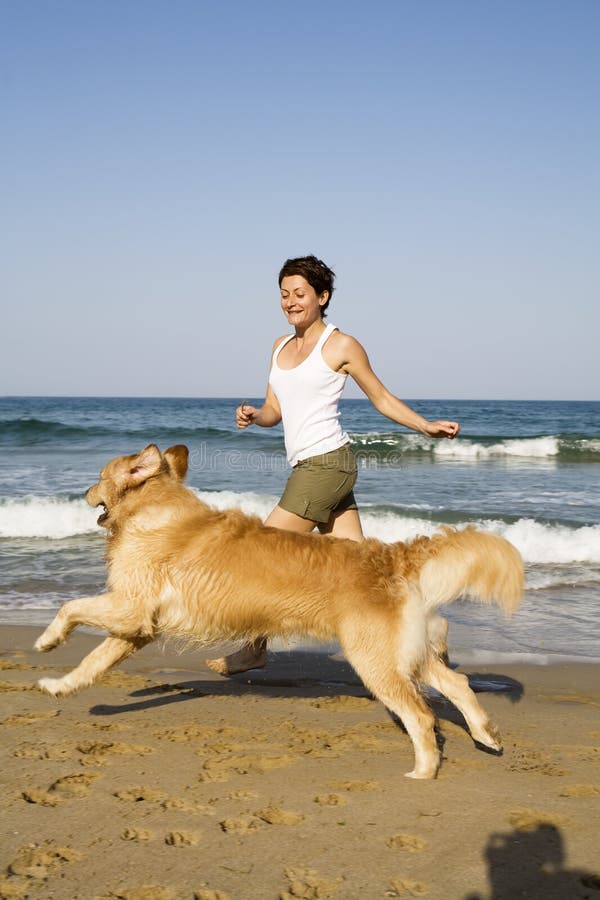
pixel 355 362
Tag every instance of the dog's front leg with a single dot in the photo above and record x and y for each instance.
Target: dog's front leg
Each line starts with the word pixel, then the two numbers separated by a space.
pixel 104 611
pixel 107 654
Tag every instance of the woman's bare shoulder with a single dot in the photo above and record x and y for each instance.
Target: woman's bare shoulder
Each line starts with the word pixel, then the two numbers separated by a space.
pixel 279 340
pixel 343 341
pixel 342 349
pixel 277 343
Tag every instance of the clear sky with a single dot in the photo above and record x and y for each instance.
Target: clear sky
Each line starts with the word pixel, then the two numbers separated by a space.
pixel 160 159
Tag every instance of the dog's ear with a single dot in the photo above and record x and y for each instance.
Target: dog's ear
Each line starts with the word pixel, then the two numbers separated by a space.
pixel 177 460
pixel 143 466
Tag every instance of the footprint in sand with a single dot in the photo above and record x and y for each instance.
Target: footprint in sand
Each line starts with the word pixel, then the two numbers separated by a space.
pixel 102 748
pixel 140 794
pixel 193 731
pixel 583 699
pixel 12 889
pixel 41 798
pixel 309 742
pixel 242 795
pixel 105 726
pixel 534 761
pixel 30 717
pixel 68 786
pixel 361 740
pixel 355 785
pixel 124 680
pixel 137 834
pixel 273 815
pixel 401 887
pixel 246 764
pixel 531 819
pixel 581 790
pixel 213 777
pixel 241 825
pixel 581 752
pixel 308 885
pixel 340 704
pixel 463 764
pixel 41 861
pixel 74 785
pixel 190 806
pixel 254 746
pixel 6 664
pixel 16 686
pixel 142 892
pixel 37 750
pixel 330 800
pixel 206 894
pixel 410 842
pixel 182 838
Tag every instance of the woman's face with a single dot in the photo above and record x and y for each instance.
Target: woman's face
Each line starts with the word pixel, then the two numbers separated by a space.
pixel 300 302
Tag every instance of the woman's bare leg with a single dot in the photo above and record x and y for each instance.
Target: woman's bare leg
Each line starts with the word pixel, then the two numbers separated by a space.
pixel 345 524
pixel 254 654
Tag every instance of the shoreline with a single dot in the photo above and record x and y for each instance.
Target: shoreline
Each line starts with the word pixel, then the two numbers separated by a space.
pixel 166 782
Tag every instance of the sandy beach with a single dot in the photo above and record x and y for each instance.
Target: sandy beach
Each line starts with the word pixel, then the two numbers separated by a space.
pixel 166 781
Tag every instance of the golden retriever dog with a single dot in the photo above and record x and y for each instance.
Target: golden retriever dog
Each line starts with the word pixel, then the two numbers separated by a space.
pixel 179 567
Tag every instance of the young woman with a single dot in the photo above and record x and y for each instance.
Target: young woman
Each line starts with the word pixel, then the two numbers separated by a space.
pixel 307 376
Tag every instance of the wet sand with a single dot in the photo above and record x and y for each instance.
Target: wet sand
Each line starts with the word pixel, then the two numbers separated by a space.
pixel 166 782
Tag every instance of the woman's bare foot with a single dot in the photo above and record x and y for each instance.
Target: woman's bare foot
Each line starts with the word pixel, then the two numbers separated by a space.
pixel 250 656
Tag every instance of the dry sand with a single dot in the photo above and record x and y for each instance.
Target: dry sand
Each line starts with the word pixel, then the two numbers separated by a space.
pixel 166 781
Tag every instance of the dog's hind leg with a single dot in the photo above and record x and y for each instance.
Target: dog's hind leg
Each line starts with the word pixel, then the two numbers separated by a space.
pixel 104 611
pixel 375 664
pixel 437 633
pixel 455 686
pixel 107 654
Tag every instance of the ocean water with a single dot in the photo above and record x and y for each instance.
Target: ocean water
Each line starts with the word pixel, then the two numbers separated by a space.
pixel 526 470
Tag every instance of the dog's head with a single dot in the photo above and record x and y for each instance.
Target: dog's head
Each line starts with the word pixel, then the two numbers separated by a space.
pixel 127 473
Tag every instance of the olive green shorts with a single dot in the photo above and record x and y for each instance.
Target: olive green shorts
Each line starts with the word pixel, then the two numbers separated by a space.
pixel 321 485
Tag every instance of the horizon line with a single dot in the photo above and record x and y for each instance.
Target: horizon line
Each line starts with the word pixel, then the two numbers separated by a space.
pixel 235 398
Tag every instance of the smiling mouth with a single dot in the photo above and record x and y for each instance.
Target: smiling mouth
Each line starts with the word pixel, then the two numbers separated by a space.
pixel 103 516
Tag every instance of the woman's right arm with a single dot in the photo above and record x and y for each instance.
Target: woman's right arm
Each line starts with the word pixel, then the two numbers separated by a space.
pixel 269 413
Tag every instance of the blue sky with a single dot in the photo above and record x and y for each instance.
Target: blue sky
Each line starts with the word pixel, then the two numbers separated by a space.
pixel 160 160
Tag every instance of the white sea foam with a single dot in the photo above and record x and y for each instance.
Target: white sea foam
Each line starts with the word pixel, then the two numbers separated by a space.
pixel 550 544
pixel 543 447
pixel 538 543
pixel 540 577
pixel 540 448
pixel 46 517
pixel 249 502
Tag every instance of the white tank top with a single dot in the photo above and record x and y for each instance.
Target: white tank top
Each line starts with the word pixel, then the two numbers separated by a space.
pixel 308 396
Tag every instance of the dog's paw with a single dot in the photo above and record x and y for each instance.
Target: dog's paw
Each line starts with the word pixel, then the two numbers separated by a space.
pixel 426 765
pixel 488 738
pixel 53 686
pixel 421 773
pixel 45 643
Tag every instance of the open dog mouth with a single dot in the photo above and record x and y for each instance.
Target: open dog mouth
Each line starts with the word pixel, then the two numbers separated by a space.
pixel 103 516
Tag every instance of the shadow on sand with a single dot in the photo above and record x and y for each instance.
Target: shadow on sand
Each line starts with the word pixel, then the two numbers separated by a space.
pixel 531 864
pixel 299 673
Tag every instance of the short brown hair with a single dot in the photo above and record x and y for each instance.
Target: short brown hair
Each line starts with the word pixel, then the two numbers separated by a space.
pixel 319 276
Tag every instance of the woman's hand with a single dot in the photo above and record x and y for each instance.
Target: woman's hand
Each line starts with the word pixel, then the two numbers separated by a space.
pixel 442 429
pixel 245 415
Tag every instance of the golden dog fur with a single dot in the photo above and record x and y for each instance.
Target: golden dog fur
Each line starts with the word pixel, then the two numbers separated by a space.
pixel 179 567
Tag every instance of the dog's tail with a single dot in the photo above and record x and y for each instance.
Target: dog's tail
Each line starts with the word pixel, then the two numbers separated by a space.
pixel 473 565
